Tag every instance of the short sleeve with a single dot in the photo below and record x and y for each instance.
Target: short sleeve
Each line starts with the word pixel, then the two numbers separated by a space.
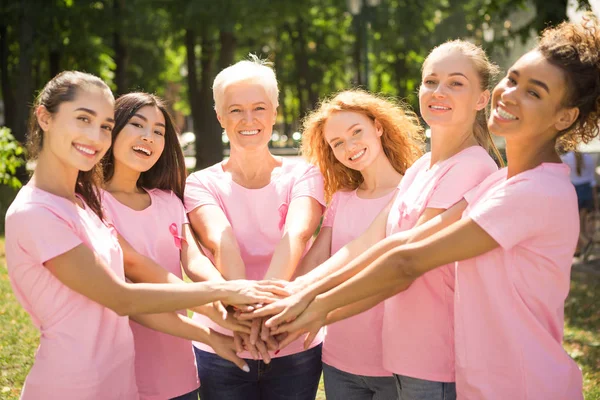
pixel 513 213
pixel 460 178
pixel 199 192
pixel 309 184
pixel 329 215
pixel 41 233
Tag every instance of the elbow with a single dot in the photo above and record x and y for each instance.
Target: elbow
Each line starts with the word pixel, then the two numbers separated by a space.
pixel 407 269
pixel 302 236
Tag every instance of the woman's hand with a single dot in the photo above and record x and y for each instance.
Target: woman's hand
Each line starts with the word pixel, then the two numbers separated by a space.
pixel 258 350
pixel 282 311
pixel 218 314
pixel 224 346
pixel 243 292
pixel 310 321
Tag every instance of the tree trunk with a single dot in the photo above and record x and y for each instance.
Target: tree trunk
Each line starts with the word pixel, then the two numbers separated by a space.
pixel 25 87
pixel 228 44
pixel 192 78
pixel 7 92
pixel 210 141
pixel 54 62
pixel 121 53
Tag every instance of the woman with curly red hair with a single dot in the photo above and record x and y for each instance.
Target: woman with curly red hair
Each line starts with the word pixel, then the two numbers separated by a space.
pixel 363 145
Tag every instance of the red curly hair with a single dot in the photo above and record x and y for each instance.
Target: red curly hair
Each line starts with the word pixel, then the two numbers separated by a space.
pixel 402 138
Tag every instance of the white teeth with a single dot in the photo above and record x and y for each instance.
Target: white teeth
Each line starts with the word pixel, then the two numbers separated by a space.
pixel 439 108
pixel 357 155
pixel 85 150
pixel 143 150
pixel 505 114
pixel 249 133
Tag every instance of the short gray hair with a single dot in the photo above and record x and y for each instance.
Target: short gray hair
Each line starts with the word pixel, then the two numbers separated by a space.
pixel 253 70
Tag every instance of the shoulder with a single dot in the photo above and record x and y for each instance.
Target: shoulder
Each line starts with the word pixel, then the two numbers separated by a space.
pixel 34 209
pixel 297 167
pixel 211 173
pixel 477 156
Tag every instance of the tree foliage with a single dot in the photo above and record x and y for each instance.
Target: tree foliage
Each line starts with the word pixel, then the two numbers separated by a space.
pixel 176 47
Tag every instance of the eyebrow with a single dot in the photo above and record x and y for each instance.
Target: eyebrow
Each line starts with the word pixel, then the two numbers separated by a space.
pixel 140 116
pixel 92 112
pixel 451 74
pixel 239 105
pixel 533 81
pixel 336 138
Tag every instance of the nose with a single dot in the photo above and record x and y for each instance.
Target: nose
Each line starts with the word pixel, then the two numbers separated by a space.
pixel 248 115
pixel 508 95
pixel 147 136
pixel 439 91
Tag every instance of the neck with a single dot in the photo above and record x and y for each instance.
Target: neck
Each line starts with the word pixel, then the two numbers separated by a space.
pixel 379 174
pixel 124 180
pixel 250 164
pixel 446 142
pixel 54 176
pixel 523 155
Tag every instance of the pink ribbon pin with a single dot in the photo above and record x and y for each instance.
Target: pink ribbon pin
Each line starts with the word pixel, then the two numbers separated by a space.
pixel 178 239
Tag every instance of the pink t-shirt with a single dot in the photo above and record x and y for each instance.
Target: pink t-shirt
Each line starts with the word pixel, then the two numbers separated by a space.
pixel 165 365
pixel 418 332
pixel 257 217
pixel 509 304
pixel 86 350
pixel 354 344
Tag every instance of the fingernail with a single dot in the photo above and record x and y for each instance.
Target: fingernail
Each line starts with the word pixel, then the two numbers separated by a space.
pixel 246 368
pixel 277 352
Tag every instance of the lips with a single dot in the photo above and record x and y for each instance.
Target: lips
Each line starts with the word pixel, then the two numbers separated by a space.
pixel 437 107
pixel 87 150
pixel 358 155
pixel 143 150
pixel 250 132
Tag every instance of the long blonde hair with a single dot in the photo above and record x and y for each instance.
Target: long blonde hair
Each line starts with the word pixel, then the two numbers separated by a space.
pixel 402 138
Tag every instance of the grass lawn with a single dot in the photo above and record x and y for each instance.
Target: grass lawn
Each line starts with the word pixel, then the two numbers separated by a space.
pixel 18 338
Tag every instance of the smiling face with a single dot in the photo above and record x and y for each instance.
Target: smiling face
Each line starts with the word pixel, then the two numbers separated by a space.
pixel 247 116
pixel 140 143
pixel 450 92
pixel 354 138
pixel 527 102
pixel 79 132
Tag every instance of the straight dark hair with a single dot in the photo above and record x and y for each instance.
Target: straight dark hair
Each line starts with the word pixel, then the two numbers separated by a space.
pixel 62 88
pixel 169 172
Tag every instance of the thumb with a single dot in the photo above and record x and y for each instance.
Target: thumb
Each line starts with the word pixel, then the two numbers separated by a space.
pixel 241 364
pixel 309 338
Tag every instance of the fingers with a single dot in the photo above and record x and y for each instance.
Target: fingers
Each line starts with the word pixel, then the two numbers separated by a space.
pixel 274 289
pixel 262 312
pixel 238 342
pixel 255 330
pixel 265 333
pixel 289 338
pixel 309 338
pixel 281 318
pixel 264 352
pixel 234 358
pixel 272 343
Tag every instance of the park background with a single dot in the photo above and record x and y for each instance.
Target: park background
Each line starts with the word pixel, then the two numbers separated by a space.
pixel 174 48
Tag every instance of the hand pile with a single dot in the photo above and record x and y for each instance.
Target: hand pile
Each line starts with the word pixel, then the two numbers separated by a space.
pixel 266 316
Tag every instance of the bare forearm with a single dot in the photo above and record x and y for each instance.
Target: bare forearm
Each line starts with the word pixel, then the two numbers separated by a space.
pixel 174 324
pixel 358 307
pixel 228 261
pixel 141 298
pixel 286 257
pixel 201 269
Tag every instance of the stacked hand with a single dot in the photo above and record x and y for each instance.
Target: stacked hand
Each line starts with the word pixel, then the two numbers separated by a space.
pixel 268 315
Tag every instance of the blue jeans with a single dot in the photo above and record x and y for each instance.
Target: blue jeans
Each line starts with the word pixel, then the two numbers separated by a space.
pixel 421 389
pixel 188 396
pixel 294 377
pixel 340 385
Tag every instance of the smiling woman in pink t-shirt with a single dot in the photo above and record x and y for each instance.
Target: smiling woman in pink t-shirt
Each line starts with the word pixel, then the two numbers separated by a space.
pixel 66 266
pixel 255 213
pixel 143 199
pixel 363 145
pixel 513 237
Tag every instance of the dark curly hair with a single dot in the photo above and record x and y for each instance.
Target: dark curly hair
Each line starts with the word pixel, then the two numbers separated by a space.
pixel 575 49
